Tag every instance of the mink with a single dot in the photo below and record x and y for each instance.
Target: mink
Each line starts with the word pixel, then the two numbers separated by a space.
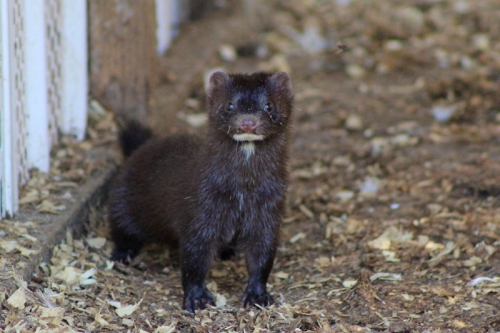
pixel 210 196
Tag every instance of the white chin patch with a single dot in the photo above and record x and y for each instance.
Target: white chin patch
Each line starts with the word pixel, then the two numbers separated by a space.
pixel 248 137
pixel 248 149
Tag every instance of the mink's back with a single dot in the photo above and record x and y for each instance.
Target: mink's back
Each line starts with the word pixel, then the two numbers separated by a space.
pixel 153 195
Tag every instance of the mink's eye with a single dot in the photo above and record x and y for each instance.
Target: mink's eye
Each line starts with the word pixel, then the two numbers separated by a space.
pixel 269 109
pixel 230 106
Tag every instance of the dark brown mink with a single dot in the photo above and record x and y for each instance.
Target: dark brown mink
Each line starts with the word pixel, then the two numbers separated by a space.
pixel 213 195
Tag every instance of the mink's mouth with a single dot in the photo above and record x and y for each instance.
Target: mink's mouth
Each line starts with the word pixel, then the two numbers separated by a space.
pixel 248 137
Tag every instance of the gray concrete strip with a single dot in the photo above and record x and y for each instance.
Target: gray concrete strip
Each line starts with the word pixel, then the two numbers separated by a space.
pixel 51 229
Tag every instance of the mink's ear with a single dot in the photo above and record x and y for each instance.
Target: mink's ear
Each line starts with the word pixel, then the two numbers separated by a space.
pixel 218 81
pixel 282 83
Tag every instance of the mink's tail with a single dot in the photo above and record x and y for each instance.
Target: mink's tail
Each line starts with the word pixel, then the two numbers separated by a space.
pixel 133 135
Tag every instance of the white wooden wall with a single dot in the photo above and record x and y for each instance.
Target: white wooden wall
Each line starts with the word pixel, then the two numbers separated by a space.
pixel 44 81
pixel 43 85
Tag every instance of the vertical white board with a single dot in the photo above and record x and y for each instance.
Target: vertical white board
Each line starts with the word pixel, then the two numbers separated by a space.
pixel 5 113
pixel 164 29
pixel 13 103
pixel 52 12
pixel 74 65
pixel 169 16
pixel 37 104
pixel 43 88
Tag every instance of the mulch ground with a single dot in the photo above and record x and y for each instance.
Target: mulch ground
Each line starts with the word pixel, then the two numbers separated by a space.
pixel 393 207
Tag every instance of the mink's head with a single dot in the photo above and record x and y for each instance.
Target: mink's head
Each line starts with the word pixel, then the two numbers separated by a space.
pixel 250 107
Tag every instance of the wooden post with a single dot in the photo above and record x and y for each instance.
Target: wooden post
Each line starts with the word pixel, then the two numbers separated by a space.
pixel 123 59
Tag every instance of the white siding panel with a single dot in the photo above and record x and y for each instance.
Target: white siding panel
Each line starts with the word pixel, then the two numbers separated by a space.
pixel 37 104
pixel 74 68
pixel 43 88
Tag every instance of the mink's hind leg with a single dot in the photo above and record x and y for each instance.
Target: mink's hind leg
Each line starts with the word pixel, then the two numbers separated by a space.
pixel 124 255
pixel 126 246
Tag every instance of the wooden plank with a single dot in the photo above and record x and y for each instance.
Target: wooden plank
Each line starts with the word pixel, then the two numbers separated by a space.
pixel 123 61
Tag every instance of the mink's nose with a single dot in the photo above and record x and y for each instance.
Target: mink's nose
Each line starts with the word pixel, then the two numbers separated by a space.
pixel 248 124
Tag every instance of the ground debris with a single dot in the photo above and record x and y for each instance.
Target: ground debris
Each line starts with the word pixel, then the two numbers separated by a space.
pixel 393 207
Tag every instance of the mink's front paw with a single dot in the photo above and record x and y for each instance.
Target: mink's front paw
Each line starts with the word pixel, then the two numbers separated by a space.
pixel 252 298
pixel 197 298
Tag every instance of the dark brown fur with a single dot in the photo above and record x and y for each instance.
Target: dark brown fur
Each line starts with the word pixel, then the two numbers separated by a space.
pixel 210 197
